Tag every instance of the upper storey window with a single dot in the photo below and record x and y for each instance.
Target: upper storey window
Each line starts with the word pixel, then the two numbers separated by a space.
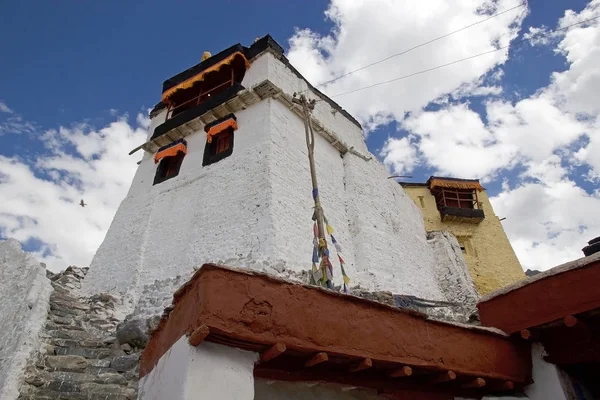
pixel 169 159
pixel 220 74
pixel 219 139
pixel 457 199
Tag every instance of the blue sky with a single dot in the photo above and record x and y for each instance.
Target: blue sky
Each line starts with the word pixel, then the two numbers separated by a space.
pixel 88 66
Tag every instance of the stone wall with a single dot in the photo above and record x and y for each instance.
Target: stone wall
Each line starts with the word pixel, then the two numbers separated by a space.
pixel 24 294
pixel 453 275
pixel 79 357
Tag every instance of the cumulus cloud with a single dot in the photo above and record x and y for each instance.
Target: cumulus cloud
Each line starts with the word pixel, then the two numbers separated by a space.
pixel 366 31
pixel 544 136
pixel 39 201
pixel 400 155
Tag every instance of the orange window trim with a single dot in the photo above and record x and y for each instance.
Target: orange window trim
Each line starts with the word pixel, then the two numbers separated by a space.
pixel 171 151
pixel 230 123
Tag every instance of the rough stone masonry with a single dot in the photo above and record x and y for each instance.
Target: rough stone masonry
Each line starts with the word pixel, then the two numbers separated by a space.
pixel 80 357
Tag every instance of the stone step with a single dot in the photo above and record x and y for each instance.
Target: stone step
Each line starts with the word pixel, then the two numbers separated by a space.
pixel 83 352
pixel 45 394
pixel 72 334
pixel 67 363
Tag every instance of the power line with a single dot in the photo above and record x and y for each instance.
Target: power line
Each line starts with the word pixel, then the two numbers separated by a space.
pixel 458 61
pixel 421 45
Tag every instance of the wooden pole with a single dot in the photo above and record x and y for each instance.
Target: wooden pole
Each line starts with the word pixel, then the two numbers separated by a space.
pixel 198 335
pixel 444 377
pixel 310 145
pixel 275 351
pixel 528 334
pixel 317 359
pixel 364 364
pixel 474 384
pixel 401 372
pixel 570 321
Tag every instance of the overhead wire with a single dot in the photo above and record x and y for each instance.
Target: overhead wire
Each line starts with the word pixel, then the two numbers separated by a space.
pixel 460 60
pixel 497 14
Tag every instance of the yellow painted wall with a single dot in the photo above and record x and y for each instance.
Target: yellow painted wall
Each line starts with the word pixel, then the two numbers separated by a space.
pixel 491 259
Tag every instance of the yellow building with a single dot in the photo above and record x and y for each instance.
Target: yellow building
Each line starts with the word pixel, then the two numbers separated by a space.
pixel 462 207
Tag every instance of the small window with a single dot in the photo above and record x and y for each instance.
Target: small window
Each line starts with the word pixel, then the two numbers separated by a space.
pixel 422 201
pixel 168 167
pixel 220 147
pixel 462 243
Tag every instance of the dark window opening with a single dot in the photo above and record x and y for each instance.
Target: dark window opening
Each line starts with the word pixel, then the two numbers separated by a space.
pixel 220 147
pixel 168 167
pixel 456 198
pixel 213 83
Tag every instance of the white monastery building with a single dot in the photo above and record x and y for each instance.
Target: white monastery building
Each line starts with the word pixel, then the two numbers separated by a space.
pixel 225 178
pixel 228 274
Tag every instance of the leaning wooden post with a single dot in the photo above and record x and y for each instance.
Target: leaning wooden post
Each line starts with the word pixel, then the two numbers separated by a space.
pixel 310 145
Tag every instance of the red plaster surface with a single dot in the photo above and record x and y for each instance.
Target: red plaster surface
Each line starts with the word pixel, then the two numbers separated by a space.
pixel 254 311
pixel 554 297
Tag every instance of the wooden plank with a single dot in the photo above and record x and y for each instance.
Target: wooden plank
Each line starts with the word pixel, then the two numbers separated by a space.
pixel 317 359
pixel 275 351
pixel 401 372
pixel 198 335
pixel 364 364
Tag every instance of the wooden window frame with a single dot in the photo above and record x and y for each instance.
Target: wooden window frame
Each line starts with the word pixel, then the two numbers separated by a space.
pixel 168 167
pixel 217 150
pixel 450 197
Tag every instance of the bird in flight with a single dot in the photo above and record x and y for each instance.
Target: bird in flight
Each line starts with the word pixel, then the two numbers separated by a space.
pixel 82 204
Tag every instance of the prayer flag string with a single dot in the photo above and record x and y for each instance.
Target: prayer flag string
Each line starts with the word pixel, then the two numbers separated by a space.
pixel 323 275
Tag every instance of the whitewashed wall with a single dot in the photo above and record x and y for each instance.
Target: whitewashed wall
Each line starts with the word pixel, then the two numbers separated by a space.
pixel 209 371
pixel 24 294
pixel 253 209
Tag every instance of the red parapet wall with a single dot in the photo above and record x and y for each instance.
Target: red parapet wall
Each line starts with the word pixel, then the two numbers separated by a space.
pixel 254 312
pixel 571 289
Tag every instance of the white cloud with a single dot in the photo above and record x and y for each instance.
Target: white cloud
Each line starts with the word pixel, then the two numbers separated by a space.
pixel 545 135
pixel 540 36
pixel 366 31
pixel 400 155
pixel 548 224
pixel 4 108
pixel 41 201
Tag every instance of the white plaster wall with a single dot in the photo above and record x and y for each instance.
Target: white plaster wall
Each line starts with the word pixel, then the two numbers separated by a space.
pixel 292 205
pixel 209 371
pixel 269 390
pixel 253 209
pixel 388 235
pixel 24 294
pixel 217 213
pixel 451 271
pixel 334 121
pixel 546 378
